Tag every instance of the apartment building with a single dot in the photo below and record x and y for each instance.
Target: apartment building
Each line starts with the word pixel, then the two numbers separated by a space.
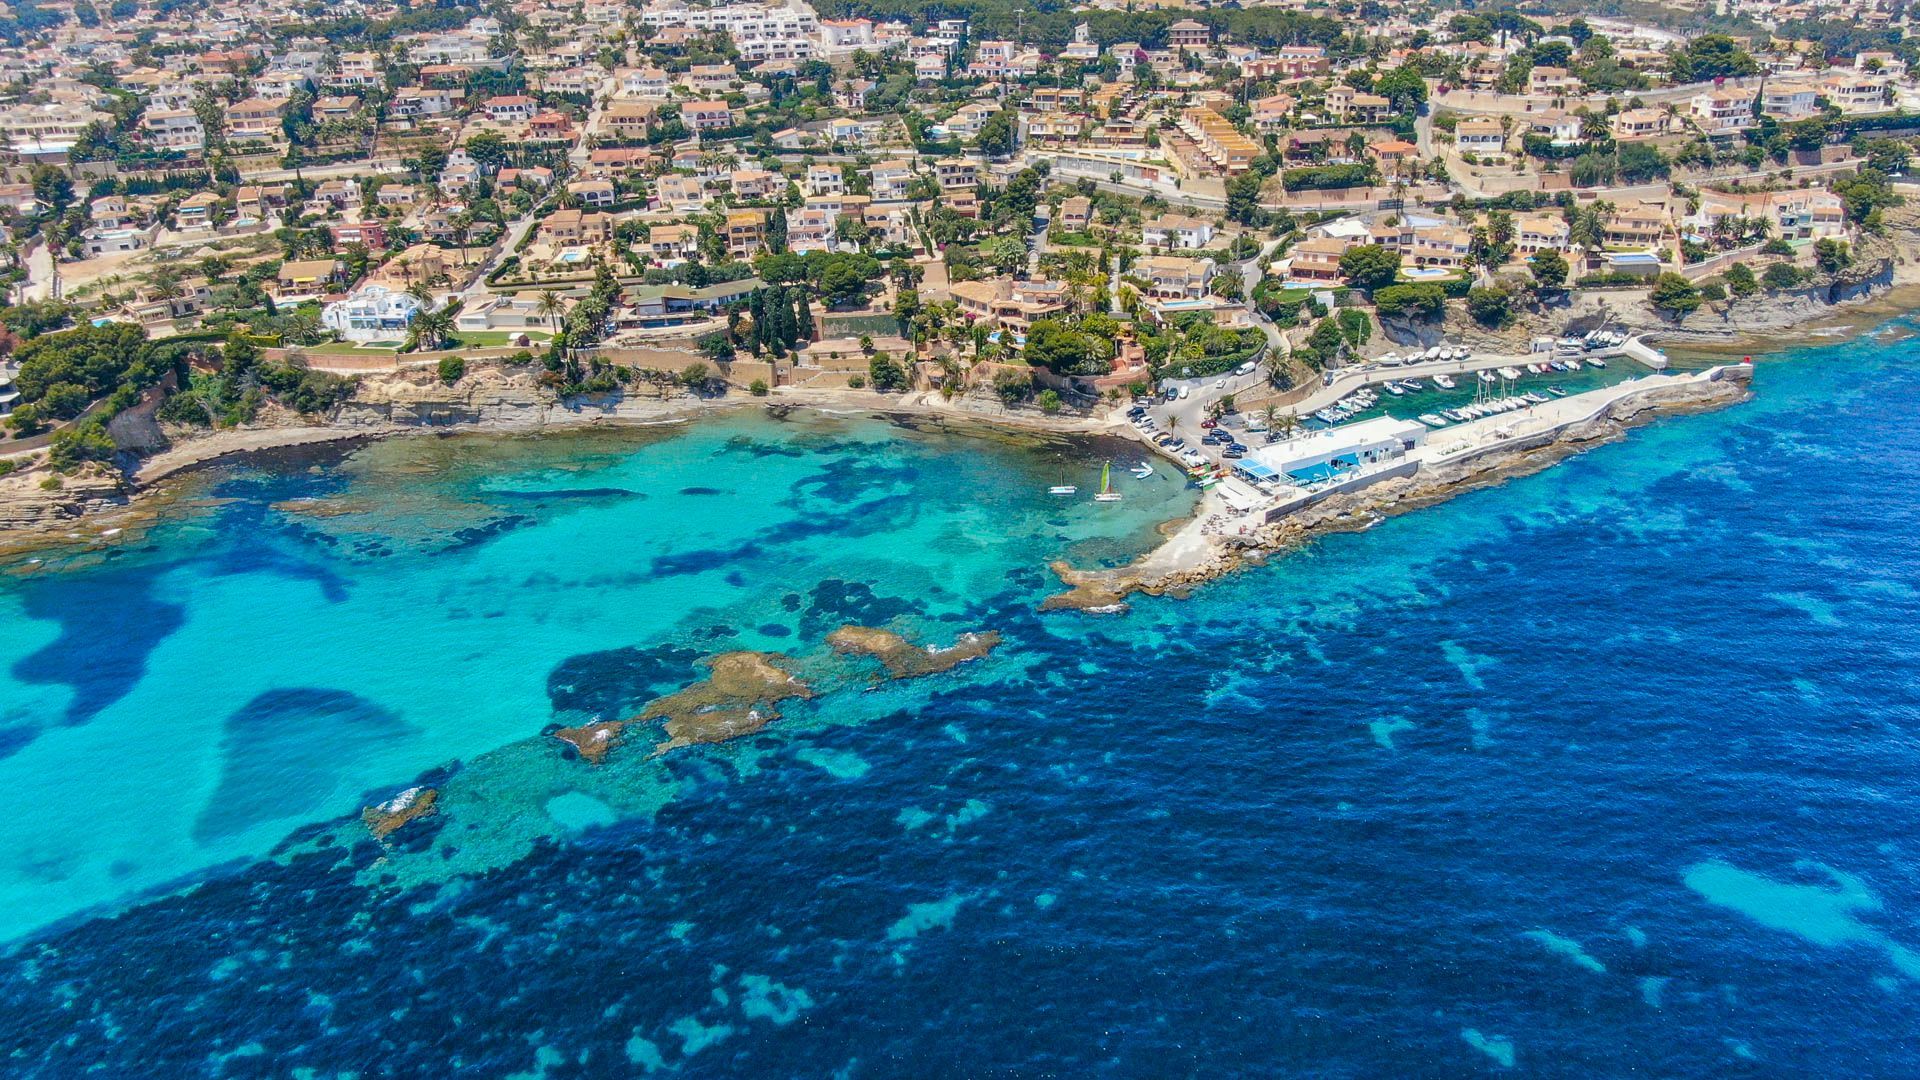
pixel 1317 259
pixel 1799 214
pixel 956 175
pixel 1790 100
pixel 176 130
pixel 1176 231
pixel 1632 125
pixel 745 232
pixel 1721 112
pixel 706 115
pixel 1535 233
pixel 1635 225
pixel 1188 34
pixel 1856 92
pixel 1224 148
pixel 1482 137
pixel 825 180
pixel 1173 277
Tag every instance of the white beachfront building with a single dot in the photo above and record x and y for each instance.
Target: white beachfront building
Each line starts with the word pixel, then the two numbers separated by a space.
pixel 372 313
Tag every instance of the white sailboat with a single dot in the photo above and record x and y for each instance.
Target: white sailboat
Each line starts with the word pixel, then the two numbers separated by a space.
pixel 1107 494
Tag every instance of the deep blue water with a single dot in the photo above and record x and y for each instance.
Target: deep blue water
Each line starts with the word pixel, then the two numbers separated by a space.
pixel 1608 771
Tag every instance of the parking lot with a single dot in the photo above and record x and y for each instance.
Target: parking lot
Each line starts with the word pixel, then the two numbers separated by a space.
pixel 1177 420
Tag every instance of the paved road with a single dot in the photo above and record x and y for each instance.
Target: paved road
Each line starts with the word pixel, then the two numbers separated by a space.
pixel 1037 242
pixel 516 231
pixel 39 284
pixel 1488 103
pixel 1250 277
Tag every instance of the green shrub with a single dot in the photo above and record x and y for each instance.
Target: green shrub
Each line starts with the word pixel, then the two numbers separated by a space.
pixel 1422 300
pixel 82 442
pixel 452 369
pixel 1784 276
pixel 758 388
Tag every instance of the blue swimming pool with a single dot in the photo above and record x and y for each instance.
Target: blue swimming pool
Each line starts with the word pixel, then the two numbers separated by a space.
pixel 1326 470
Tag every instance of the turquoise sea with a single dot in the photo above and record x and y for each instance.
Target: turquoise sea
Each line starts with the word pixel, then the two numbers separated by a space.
pixel 1606 771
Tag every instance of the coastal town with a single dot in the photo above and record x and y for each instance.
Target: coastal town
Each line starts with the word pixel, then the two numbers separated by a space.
pixel 1286 247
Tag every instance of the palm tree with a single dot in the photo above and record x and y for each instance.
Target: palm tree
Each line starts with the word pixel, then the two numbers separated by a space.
pixel 430 328
pixel 422 292
pixel 551 307
pixel 55 238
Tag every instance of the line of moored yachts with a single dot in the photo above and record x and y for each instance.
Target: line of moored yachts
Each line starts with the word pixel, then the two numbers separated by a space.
pixel 1366 398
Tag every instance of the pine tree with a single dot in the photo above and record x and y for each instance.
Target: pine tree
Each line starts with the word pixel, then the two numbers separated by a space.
pixel 757 307
pixel 780 320
pixel 805 317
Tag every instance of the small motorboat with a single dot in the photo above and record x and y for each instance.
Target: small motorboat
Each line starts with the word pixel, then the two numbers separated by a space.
pixel 1142 471
pixel 1596 361
pixel 1556 391
pixel 1444 382
pixel 1431 420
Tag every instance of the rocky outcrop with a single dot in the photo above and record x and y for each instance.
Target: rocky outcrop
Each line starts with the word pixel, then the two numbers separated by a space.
pixel 905 660
pixel 410 805
pixel 26 506
pixel 593 742
pixel 738 698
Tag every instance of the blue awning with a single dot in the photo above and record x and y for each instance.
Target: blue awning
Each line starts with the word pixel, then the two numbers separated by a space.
pixel 1253 470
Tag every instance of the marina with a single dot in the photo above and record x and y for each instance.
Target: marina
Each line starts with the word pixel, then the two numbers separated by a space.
pixel 1441 396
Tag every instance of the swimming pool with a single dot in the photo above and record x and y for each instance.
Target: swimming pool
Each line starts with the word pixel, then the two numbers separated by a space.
pixel 1326 470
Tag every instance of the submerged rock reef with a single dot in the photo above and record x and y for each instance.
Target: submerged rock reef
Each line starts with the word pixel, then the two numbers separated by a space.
pixel 743 690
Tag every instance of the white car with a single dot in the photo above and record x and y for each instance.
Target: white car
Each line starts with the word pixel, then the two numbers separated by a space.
pixel 1244 369
pixel 1185 391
